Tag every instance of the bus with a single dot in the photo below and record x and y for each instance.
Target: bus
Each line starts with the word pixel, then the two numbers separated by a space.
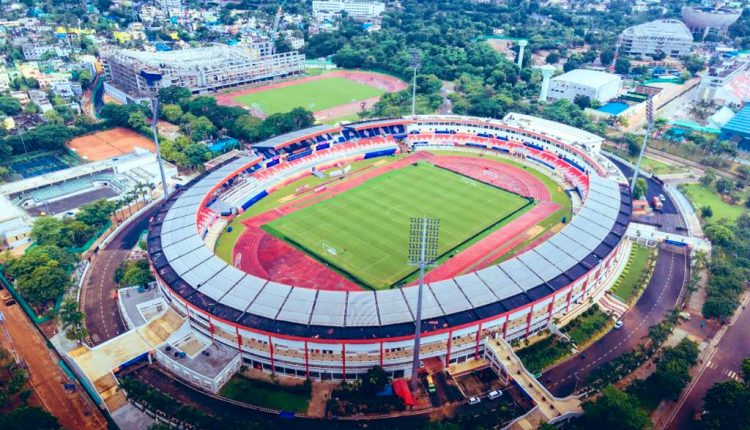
pixel 430 384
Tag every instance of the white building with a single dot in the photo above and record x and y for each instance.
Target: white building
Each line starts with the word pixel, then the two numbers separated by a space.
pixel 599 86
pixel 670 36
pixel 357 9
pixel 201 70
pixel 727 82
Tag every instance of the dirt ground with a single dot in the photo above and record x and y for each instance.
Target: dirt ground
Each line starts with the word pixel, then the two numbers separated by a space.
pixel 74 410
pixel 109 143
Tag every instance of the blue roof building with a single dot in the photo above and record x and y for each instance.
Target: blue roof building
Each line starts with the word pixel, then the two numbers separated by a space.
pixel 738 129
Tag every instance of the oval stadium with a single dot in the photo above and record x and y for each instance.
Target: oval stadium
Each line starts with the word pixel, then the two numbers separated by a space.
pixel 297 253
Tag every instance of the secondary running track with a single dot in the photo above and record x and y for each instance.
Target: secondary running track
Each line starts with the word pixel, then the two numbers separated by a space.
pixel 261 254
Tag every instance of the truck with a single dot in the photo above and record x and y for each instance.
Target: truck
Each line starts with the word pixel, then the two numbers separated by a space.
pixel 658 204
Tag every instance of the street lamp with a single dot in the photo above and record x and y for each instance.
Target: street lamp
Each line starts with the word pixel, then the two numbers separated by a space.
pixel 423 250
pixel 415 61
pixel 152 77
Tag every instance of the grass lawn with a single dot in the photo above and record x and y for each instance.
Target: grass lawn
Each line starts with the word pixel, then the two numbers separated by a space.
pixel 364 231
pixel 627 284
pixel 658 167
pixel 227 239
pixel 314 96
pixel 544 353
pixel 267 394
pixel 587 325
pixel 701 196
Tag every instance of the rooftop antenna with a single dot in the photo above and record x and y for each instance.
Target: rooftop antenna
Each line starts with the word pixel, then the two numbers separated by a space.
pixel 649 126
pixel 423 250
pixel 415 61
pixel 152 77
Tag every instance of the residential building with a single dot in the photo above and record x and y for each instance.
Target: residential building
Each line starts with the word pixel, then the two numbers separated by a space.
pixel 670 36
pixel 726 82
pixel 357 9
pixel 202 70
pixel 599 86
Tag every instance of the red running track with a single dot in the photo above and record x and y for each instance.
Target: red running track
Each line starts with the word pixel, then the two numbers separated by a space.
pixel 259 253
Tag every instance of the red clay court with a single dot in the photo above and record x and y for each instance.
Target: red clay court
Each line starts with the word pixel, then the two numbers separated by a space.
pixel 261 254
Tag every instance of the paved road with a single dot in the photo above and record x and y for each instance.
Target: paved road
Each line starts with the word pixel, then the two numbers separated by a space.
pixel 46 378
pixel 669 218
pixel 722 366
pixel 99 301
pixel 659 298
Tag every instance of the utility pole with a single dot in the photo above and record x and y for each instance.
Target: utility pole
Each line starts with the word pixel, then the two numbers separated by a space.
pixel 415 61
pixel 152 77
pixel 423 250
pixel 649 127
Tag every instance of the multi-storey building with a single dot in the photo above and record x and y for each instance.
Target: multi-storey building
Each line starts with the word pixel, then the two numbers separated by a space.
pixel 670 36
pixel 202 70
pixel 357 9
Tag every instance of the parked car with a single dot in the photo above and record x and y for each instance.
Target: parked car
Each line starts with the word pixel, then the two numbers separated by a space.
pixel 618 324
pixel 474 400
pixel 495 394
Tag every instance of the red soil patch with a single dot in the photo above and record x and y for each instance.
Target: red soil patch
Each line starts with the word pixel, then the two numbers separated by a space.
pixel 258 253
pixel 106 144
pixel 377 80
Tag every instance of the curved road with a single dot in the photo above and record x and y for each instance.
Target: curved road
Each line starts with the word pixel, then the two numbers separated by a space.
pixel 98 298
pixel 659 298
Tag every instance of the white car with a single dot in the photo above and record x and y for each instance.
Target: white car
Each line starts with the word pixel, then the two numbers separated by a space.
pixel 618 324
pixel 494 394
pixel 474 400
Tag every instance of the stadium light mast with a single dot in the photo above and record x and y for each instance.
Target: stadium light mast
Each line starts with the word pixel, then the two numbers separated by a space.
pixel 423 250
pixel 152 77
pixel 415 61
pixel 649 126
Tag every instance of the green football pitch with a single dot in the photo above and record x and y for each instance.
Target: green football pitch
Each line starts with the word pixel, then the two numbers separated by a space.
pixel 364 231
pixel 314 95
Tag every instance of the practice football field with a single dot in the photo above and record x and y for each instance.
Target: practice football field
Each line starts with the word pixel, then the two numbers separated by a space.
pixel 314 95
pixel 365 231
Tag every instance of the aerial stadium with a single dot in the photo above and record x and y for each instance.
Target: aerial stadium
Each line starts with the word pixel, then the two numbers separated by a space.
pixel 295 254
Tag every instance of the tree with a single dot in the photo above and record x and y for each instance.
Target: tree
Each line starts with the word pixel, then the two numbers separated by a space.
pixel 693 63
pixel 745 370
pixel 708 178
pixel 374 380
pixel 614 410
pixel 719 234
pixel 174 95
pixel 28 418
pixel 719 307
pixel 171 113
pixel 46 230
pixel 724 185
pixel 201 128
pixel 43 284
pixel 707 212
pixel 659 55
pixel 639 191
pixel 622 66
pixel 9 106
pixel 607 56
pixel 137 121
pixel 726 406
pixel 552 58
pixel 85 79
pixel 52 117
pixel 582 101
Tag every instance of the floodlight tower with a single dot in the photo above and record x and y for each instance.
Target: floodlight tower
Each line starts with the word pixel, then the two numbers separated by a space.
pixel 415 61
pixel 649 127
pixel 521 45
pixel 152 77
pixel 423 250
